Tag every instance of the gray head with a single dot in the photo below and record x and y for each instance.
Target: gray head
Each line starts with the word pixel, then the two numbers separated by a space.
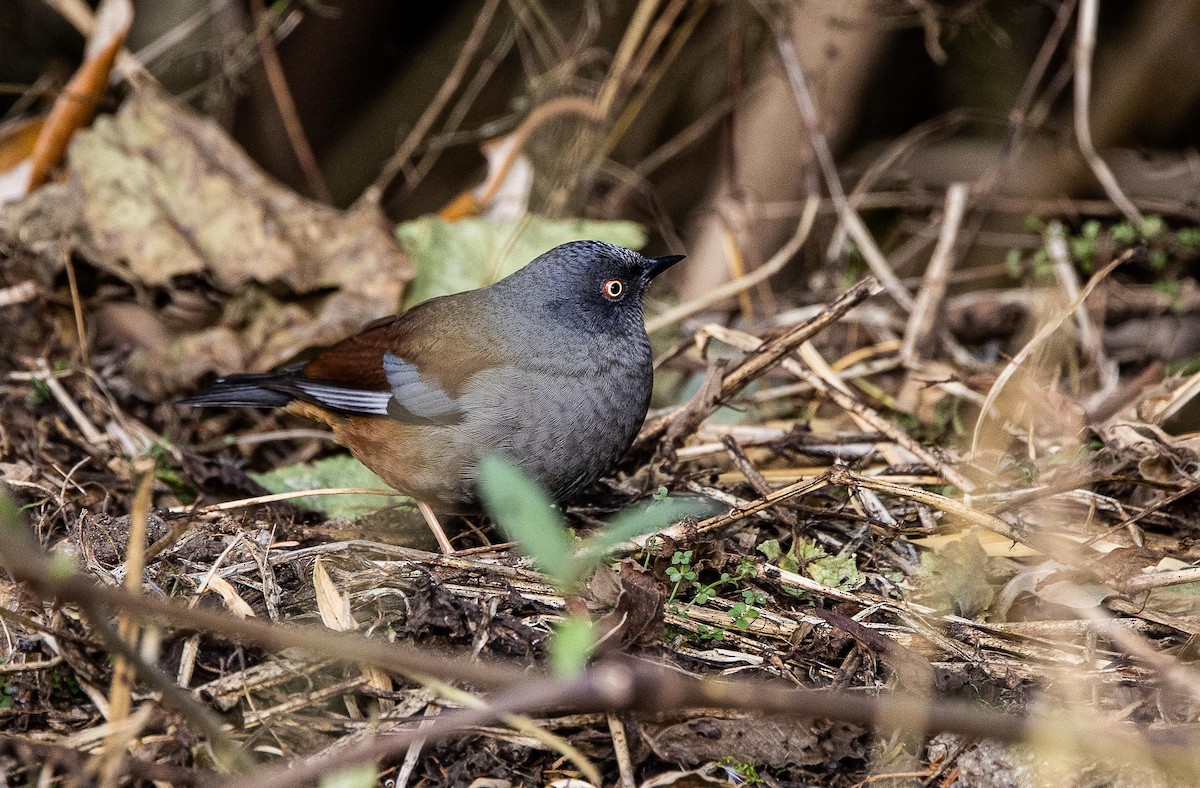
pixel 590 284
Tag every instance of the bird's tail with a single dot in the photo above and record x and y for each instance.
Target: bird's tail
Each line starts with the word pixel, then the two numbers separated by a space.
pixel 249 390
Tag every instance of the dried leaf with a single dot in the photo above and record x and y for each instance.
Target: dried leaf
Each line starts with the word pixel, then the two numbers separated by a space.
pixel 156 192
pixel 224 589
pixel 504 194
pixel 17 138
pixel 637 601
pixel 331 603
pixel 77 102
pixel 1073 594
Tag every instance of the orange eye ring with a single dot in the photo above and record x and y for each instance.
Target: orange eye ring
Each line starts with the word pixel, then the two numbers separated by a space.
pixel 613 289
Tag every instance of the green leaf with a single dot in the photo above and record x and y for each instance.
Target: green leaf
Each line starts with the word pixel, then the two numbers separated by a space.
pixel 837 571
pixel 1013 264
pixel 807 550
pixel 1083 249
pixel 338 471
pixel 1189 236
pixel 454 256
pixel 364 775
pixel 635 521
pixel 1124 233
pixel 771 549
pixel 572 645
pixel 1152 227
pixel 526 514
pixel 957 578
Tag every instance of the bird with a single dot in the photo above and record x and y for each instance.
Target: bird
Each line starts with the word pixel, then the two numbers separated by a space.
pixel 549 367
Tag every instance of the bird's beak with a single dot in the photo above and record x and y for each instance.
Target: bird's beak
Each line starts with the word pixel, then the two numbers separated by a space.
pixel 660 264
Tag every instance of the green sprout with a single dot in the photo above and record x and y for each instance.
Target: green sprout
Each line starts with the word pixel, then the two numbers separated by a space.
pixel 527 515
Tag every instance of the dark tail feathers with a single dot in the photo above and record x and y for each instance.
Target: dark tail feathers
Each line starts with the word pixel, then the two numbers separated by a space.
pixel 251 390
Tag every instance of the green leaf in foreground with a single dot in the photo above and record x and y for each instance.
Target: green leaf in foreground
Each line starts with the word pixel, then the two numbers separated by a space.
pixel 572 645
pixel 454 256
pixel 338 471
pixel 526 514
pixel 364 775
pixel 639 520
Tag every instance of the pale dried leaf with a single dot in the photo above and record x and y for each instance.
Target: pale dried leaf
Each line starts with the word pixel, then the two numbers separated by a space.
pixel 224 589
pixel 333 606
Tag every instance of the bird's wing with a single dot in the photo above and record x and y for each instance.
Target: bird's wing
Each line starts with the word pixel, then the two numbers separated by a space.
pixel 411 367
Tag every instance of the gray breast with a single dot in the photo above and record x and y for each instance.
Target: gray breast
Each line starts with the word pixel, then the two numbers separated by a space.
pixel 565 430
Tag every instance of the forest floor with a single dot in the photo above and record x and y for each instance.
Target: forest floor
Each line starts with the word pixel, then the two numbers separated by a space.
pixel 950 534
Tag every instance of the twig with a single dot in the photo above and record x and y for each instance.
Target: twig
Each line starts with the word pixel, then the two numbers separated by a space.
pixel 1105 404
pixel 77 308
pixel 25 562
pixel 1177 577
pixel 679 38
pixel 91 435
pixel 178 34
pixel 862 193
pixel 684 139
pixel 1044 333
pixel 820 145
pixel 255 438
pixel 18 293
pixel 768 355
pixel 635 31
pixel 563 105
pixel 1174 670
pixel 933 286
pixel 1056 250
pixel 832 387
pixel 641 686
pixel 760 274
pixel 373 194
pixel 1085 47
pixel 985 189
pixel 681 531
pixel 1149 510
pixel 1053 545
pixel 414 750
pixel 23 667
pixel 120 694
pixel 243 503
pixel 435 526
pixel 819 369
pixel 436 144
pixel 518 722
pixel 616 729
pixel 44 753
pixel 612 686
pixel 173 696
pixel 286 104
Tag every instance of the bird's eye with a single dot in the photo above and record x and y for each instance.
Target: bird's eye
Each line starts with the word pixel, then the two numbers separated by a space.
pixel 614 289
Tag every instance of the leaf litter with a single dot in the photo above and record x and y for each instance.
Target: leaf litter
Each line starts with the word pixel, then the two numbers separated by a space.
pixel 1054 566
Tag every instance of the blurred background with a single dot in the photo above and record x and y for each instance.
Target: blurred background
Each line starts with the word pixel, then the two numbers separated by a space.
pixel 703 142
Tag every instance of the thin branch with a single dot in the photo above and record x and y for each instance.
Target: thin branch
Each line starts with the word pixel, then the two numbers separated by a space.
pixel 1085 47
pixel 768 355
pixel 286 104
pixel 1036 342
pixel 933 286
pixel 744 283
pixel 373 194
pixel 812 127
